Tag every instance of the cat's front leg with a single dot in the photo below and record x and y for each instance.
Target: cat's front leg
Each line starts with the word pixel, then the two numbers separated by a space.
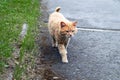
pixel 63 53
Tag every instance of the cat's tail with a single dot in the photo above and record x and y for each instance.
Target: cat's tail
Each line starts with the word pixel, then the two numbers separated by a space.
pixel 57 9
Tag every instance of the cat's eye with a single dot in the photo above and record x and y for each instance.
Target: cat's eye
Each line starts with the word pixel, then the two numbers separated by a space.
pixel 67 31
pixel 72 30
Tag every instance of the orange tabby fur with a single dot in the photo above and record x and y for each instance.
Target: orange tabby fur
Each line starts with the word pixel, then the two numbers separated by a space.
pixel 61 30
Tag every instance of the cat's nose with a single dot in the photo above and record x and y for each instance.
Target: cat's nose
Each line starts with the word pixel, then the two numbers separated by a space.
pixel 70 35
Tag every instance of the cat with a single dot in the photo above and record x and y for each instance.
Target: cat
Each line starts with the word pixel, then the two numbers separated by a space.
pixel 61 30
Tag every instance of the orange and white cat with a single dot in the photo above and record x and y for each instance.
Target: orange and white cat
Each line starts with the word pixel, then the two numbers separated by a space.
pixel 61 31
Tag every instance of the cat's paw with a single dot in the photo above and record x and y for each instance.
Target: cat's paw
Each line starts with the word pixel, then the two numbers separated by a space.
pixel 64 60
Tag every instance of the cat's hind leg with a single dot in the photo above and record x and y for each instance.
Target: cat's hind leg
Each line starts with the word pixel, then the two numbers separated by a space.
pixel 54 42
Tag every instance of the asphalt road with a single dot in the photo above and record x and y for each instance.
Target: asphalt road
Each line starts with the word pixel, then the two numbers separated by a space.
pixel 92 56
pixel 93 53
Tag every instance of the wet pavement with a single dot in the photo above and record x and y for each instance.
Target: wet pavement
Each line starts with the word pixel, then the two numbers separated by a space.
pixel 92 54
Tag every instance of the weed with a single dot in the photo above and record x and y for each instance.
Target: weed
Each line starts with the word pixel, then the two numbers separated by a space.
pixel 13 13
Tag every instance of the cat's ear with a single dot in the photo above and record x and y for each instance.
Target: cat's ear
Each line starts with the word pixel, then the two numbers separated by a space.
pixel 75 23
pixel 62 24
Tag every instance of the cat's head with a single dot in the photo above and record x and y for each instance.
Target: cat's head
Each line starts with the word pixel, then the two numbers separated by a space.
pixel 68 29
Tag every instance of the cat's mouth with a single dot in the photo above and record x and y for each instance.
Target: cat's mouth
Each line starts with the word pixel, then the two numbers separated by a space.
pixel 68 36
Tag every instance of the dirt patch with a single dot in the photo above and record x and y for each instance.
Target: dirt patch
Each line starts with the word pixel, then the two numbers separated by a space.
pixel 50 75
pixel 44 60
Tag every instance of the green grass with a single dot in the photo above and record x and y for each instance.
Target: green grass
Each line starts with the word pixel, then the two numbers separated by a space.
pixel 13 13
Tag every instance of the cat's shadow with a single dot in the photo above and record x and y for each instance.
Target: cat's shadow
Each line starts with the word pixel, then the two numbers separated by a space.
pixel 48 53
